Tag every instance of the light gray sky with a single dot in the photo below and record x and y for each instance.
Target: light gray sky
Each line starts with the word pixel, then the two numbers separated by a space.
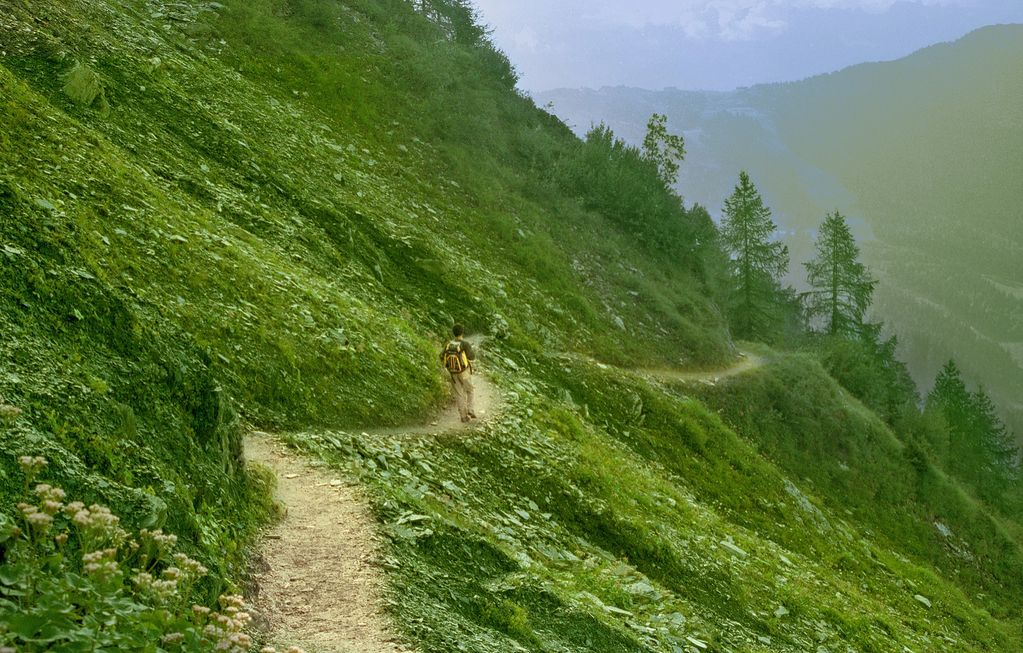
pixel 719 44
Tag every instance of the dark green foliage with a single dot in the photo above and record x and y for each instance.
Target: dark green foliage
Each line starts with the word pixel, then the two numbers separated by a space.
pixel 85 87
pixel 950 396
pixel 796 417
pixel 979 447
pixel 625 185
pixel 840 287
pixel 997 444
pixel 758 263
pixel 867 367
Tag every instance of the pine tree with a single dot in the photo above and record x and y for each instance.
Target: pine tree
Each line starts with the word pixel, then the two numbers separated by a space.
pixel 980 447
pixel 841 286
pixel 994 441
pixel 952 400
pixel 758 264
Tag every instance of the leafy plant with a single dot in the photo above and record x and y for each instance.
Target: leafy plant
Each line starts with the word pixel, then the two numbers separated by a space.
pixel 73 579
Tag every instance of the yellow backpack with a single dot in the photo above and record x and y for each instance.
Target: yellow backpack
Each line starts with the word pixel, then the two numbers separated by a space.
pixel 455 359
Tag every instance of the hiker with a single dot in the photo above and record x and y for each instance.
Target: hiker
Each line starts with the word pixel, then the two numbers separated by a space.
pixel 458 356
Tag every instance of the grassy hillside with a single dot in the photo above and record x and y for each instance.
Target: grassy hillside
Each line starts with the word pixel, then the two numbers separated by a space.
pixel 215 216
pixel 924 154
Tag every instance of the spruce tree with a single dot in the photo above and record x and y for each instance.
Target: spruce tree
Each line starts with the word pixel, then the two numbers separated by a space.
pixel 980 447
pixel 952 400
pixel 758 263
pixel 996 445
pixel 841 288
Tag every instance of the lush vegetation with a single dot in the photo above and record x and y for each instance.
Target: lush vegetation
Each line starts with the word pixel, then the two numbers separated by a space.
pixel 215 216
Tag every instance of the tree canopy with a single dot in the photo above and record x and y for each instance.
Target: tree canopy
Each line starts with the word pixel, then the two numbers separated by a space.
pixel 666 151
pixel 980 448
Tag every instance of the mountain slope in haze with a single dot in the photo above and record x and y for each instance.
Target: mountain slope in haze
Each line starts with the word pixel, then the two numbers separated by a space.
pixel 924 154
pixel 254 213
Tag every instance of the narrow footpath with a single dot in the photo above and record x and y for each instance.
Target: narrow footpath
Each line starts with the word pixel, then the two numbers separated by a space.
pixel 318 583
pixel 318 580
pixel 746 363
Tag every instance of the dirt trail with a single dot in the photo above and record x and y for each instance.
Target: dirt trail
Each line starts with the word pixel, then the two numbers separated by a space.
pixel 318 584
pixel 746 363
pixel 318 581
pixel 487 401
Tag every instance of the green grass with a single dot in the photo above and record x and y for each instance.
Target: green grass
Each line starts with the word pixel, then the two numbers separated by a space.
pixel 583 507
pixel 274 225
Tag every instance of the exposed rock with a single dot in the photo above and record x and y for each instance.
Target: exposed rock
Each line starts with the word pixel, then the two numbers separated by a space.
pixel 733 548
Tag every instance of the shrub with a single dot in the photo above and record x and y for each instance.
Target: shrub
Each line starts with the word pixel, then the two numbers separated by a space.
pixel 85 87
pixel 71 578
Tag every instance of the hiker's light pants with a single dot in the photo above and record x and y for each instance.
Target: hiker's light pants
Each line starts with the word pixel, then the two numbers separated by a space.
pixel 461 383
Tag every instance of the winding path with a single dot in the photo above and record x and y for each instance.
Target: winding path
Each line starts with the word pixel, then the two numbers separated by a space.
pixel 746 363
pixel 318 581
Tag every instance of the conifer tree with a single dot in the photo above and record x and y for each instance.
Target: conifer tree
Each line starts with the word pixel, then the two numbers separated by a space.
pixel 758 263
pixel 995 442
pixel 952 400
pixel 980 448
pixel 841 288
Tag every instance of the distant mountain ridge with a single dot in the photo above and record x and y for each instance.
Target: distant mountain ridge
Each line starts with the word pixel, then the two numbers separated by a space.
pixel 925 155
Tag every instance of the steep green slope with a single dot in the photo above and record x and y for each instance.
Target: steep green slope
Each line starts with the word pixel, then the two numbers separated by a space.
pixel 924 154
pixel 219 215
pixel 621 514
pixel 183 242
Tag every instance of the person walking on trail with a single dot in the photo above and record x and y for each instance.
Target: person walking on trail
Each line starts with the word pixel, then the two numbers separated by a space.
pixel 458 356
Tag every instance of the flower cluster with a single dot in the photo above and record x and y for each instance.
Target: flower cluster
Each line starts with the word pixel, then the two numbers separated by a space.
pixel 225 630
pixel 102 565
pixel 190 566
pixel 9 413
pixel 96 519
pixel 31 465
pixel 38 522
pixel 157 544
pixel 160 589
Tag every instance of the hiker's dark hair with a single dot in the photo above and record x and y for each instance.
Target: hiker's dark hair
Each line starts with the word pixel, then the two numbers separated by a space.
pixel 458 330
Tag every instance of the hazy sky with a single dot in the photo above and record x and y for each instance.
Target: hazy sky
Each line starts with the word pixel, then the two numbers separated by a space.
pixel 719 44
